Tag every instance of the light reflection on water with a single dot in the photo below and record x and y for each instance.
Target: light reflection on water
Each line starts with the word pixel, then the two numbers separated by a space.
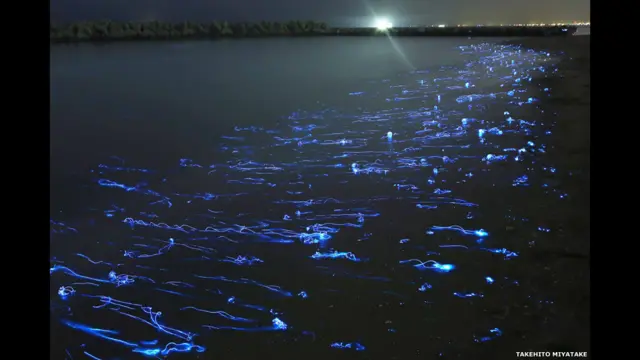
pixel 343 228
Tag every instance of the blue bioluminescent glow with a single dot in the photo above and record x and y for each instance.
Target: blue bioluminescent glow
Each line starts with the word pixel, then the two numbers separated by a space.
pixel 66 291
pixel 310 228
pixel 479 233
pixel 424 287
pixel 335 255
pixel 350 346
pixel 429 264
pixel 493 334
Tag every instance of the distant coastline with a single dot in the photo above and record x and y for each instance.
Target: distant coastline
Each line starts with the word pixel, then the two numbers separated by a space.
pixel 101 31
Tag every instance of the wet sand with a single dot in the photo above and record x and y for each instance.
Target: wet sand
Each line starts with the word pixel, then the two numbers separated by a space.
pixel 561 265
pixel 571 93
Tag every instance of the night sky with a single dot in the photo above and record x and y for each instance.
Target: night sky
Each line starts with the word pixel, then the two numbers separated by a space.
pixel 335 12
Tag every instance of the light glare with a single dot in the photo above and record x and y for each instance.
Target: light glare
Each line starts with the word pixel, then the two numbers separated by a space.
pixel 383 24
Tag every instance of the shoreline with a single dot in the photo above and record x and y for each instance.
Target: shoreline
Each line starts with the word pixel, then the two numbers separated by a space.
pixel 570 89
pixel 567 258
pixel 571 45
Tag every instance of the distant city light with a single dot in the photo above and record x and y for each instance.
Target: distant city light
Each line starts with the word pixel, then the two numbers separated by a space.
pixel 574 23
pixel 383 24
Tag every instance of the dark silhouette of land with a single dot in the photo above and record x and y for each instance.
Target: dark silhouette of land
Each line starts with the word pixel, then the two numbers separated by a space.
pixel 155 30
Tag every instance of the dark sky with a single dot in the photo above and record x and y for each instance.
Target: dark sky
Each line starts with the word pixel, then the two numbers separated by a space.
pixel 338 12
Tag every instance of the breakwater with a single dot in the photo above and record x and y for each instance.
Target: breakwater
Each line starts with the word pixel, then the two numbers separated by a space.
pixel 145 31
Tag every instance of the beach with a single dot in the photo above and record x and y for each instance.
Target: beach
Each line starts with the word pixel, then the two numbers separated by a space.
pixel 424 198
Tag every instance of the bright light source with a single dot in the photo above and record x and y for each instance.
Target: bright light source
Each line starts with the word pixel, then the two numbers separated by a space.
pixel 383 24
pixel 440 26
